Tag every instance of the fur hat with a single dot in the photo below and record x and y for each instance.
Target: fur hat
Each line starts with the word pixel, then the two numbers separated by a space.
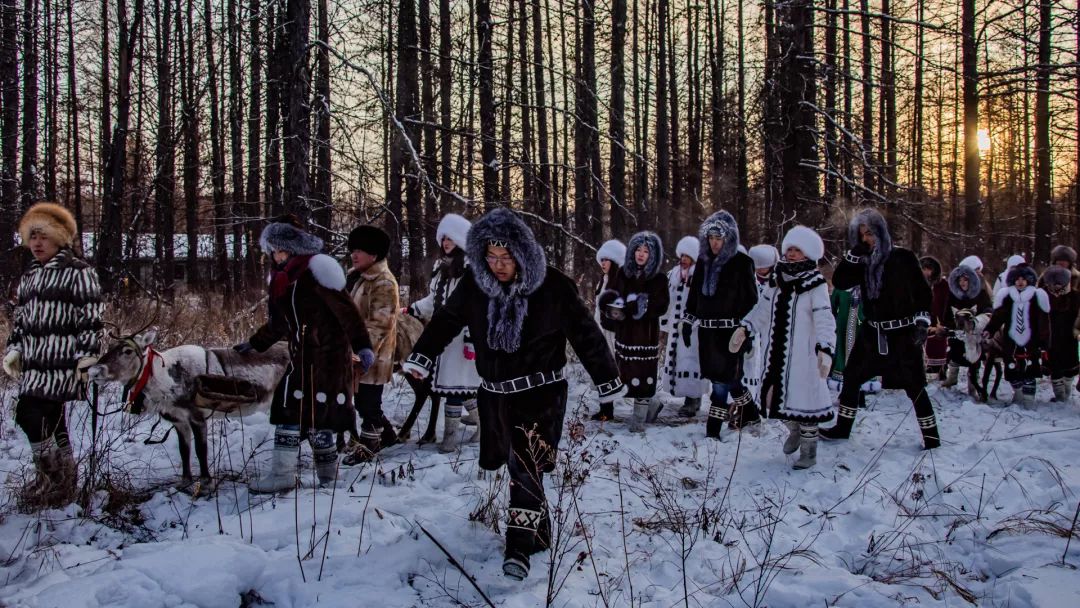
pixel 370 239
pixel 507 308
pixel 52 220
pixel 1063 252
pixel 286 234
pixel 1057 280
pixel 656 255
pixel 721 224
pixel 764 256
pixel 875 223
pixel 688 246
pixel 1018 271
pixel 454 226
pixel 808 241
pixel 929 261
pixel 613 251
pixel 973 262
pixel 975 284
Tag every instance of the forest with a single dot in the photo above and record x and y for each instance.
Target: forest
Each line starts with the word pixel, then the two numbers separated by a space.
pixel 177 126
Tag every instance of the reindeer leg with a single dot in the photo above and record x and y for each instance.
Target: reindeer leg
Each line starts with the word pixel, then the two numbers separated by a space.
pixel 198 428
pixel 433 420
pixel 419 397
pixel 183 440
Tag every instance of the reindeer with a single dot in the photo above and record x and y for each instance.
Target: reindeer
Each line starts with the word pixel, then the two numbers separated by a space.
pixel 166 381
pixel 969 330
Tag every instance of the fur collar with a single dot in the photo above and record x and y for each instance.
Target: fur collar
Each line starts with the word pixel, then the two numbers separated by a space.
pixel 975 284
pixel 722 223
pixel 875 270
pixel 656 254
pixel 328 273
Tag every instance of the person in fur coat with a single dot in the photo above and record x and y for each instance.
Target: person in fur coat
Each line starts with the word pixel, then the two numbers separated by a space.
pixel 455 378
pixel 520 313
pixel 632 308
pixel 682 372
pixel 1002 279
pixel 610 257
pixel 975 263
pixel 896 303
pixel 765 258
pixel 1065 257
pixel 308 307
pixel 722 291
pixel 968 307
pixel 1021 327
pixel 794 319
pixel 374 290
pixel 1057 281
pixel 937 346
pixel 55 338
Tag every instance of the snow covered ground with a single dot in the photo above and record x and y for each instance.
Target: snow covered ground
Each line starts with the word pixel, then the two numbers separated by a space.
pixel 664 519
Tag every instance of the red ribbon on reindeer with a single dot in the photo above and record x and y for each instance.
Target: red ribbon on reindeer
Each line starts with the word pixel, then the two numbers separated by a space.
pixel 144 377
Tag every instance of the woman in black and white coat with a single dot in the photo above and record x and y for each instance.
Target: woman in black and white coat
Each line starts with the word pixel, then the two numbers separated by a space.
pixel 1020 325
pixel 55 337
pixel 455 378
pixel 793 318
pixel 639 292
pixel 682 370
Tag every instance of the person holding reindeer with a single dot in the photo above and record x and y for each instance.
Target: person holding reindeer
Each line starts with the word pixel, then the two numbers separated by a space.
pixel 793 319
pixel 55 337
pixel 967 312
pixel 520 313
pixel 308 307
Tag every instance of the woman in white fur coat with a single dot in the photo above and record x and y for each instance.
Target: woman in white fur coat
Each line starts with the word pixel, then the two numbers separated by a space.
pixel 682 369
pixel 794 321
pixel 455 378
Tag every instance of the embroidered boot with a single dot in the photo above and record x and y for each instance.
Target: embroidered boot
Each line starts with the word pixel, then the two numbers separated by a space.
pixel 1027 395
pixel 470 417
pixel 791 444
pixel 282 473
pixel 641 411
pixel 451 428
pixel 845 419
pixel 808 436
pixel 325 455
pixel 606 413
pixel 1062 389
pixel 952 376
pixel 714 424
pixel 690 407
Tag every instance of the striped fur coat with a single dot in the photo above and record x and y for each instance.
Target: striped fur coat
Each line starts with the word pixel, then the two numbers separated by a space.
pixel 57 322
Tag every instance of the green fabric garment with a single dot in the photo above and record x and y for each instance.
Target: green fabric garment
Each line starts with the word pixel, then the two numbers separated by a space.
pixel 847 326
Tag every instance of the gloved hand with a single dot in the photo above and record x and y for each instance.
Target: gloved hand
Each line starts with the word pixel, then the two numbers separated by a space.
pixel 687 330
pixel 642 301
pixel 738 338
pixel 861 250
pixel 920 333
pixel 365 358
pixel 824 363
pixel 13 363
pixel 244 348
pixel 82 368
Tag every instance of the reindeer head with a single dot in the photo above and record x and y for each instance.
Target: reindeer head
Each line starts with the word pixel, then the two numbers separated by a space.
pixel 123 362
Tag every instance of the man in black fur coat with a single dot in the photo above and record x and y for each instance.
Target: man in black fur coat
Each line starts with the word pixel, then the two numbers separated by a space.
pixel 722 291
pixel 896 302
pixel 520 314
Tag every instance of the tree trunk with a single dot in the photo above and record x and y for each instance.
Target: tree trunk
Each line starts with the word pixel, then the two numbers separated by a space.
pixel 217 158
pixel 1044 220
pixel 800 200
pixel 449 203
pixel 296 86
pixel 971 118
pixel 431 144
pixel 484 27
pixel 831 180
pixel 29 186
pixel 663 198
pixel 275 203
pixel 254 175
pixel 742 186
pixel 236 148
pixel 73 118
pixel 52 88
pixel 543 184
pixel 402 166
pixel 165 148
pixel 9 140
pixel 588 211
pixel 321 201
pixel 869 170
pixel 190 128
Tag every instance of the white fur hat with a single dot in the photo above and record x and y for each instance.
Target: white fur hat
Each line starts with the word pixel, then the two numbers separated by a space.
pixel 1015 260
pixel 612 250
pixel 454 226
pixel 688 245
pixel 806 240
pixel 741 249
pixel 764 256
pixel 973 262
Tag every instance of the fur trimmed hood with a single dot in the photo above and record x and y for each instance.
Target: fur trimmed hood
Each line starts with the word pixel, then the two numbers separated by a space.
pixel 975 284
pixel 656 255
pixel 52 220
pixel 454 226
pixel 808 241
pixel 612 250
pixel 721 224
pixel 1057 280
pixel 507 307
pixel 875 222
pixel 764 256
pixel 1018 271
pixel 287 237
pixel 689 246
pixel 973 262
pixel 1063 252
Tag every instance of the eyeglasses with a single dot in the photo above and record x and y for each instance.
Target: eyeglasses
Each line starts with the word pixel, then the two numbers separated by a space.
pixel 499 260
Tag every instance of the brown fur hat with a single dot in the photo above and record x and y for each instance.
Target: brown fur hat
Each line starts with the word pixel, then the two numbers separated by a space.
pixel 53 220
